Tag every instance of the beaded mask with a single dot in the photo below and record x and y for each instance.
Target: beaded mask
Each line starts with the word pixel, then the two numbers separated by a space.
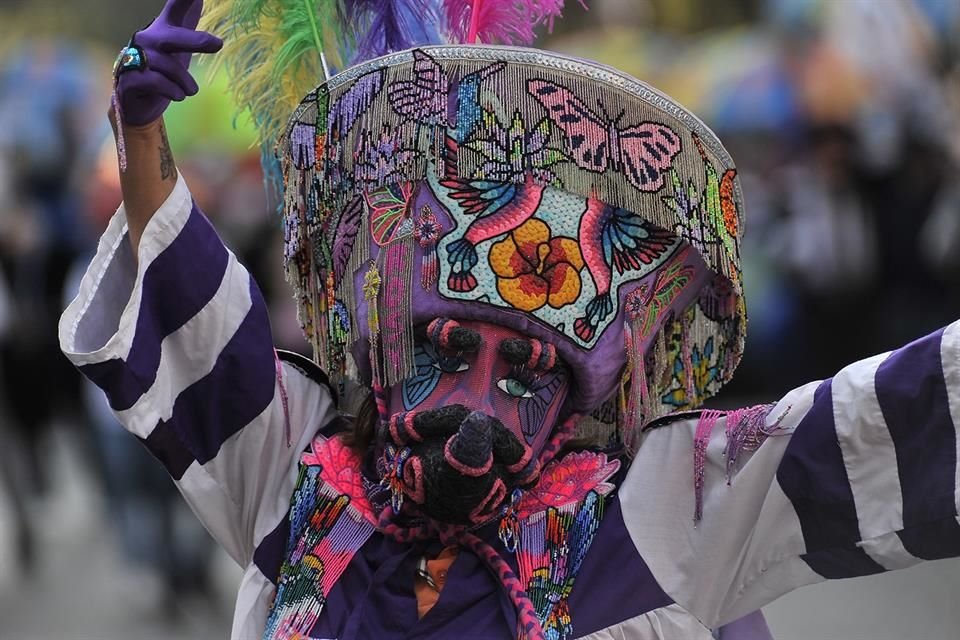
pixel 469 427
pixel 550 196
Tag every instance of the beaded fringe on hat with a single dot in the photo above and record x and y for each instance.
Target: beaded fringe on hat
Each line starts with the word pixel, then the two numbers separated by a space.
pixel 374 130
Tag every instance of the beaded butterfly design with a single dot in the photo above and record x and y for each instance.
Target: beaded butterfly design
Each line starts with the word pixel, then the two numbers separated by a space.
pixel 425 99
pixel 389 212
pixel 642 152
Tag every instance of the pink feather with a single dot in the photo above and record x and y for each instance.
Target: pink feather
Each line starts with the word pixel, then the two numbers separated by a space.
pixel 500 21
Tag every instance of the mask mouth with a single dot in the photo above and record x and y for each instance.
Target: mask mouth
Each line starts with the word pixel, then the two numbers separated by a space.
pixel 460 465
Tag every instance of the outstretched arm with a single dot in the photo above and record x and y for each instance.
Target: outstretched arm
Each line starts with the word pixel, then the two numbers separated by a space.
pixel 150 177
pixel 851 476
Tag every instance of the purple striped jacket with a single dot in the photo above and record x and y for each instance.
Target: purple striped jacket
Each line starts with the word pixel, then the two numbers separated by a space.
pixel 864 477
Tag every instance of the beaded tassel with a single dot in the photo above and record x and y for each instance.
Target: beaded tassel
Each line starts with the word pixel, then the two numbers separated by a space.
pixel 338 327
pixel 708 420
pixel 747 430
pixel 359 256
pixel 398 319
pixel 427 233
pixel 318 321
pixel 551 551
pixel 636 405
pixel 371 292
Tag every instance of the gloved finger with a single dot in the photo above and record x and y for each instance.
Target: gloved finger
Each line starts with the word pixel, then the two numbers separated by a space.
pixel 181 40
pixel 183 13
pixel 151 82
pixel 175 71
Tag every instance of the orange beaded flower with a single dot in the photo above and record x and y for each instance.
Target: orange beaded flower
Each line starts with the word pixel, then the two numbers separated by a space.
pixel 534 270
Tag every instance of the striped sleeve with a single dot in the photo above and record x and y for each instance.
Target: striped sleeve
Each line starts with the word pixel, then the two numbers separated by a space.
pixel 862 477
pixel 179 340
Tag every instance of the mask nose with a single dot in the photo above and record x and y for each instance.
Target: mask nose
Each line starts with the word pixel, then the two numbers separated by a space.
pixel 470 450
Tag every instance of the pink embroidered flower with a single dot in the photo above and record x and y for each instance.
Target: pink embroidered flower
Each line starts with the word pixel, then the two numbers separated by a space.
pixel 569 480
pixel 340 472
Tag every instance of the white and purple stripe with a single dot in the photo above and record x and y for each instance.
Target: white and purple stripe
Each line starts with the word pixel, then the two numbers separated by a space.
pixel 867 482
pixel 179 340
pixel 914 397
pixel 197 258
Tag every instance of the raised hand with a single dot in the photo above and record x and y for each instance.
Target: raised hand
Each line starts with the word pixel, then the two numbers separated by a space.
pixel 145 86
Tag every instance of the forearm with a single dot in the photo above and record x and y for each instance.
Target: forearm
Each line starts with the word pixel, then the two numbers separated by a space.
pixel 150 176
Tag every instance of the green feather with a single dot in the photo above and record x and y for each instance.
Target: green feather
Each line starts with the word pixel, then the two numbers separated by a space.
pixel 272 53
pixel 298 26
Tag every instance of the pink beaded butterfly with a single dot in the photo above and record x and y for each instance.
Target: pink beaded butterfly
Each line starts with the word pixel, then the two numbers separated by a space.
pixel 642 153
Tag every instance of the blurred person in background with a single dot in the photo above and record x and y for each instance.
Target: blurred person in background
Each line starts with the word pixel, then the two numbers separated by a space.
pixel 44 94
pixel 14 479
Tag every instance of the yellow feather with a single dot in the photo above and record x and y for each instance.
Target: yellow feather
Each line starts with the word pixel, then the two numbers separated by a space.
pixel 249 57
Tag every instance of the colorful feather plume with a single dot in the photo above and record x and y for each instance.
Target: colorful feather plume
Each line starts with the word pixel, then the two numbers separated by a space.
pixel 272 53
pixel 499 21
pixel 385 26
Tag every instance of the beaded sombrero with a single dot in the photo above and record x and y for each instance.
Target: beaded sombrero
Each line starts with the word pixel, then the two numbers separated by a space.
pixel 552 195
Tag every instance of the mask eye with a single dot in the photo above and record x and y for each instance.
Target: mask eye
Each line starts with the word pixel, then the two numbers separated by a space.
pixel 448 364
pixel 514 388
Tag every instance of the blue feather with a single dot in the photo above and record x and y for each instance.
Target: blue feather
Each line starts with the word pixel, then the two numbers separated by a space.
pixel 386 26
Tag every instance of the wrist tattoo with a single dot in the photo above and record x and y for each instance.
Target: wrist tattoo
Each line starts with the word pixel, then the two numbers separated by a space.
pixel 168 170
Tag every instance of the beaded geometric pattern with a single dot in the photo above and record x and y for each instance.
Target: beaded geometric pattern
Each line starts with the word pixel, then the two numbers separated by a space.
pixel 330 520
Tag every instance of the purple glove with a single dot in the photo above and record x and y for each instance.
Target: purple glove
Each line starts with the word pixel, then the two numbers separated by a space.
pixel 167 46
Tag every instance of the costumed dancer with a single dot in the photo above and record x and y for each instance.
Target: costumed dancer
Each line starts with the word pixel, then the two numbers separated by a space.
pixel 513 252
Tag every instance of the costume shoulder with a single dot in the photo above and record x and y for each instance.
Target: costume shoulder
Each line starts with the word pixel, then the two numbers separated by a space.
pixel 308 368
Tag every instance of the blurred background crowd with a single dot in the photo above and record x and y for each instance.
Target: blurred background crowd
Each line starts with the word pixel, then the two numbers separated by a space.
pixel 842 116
